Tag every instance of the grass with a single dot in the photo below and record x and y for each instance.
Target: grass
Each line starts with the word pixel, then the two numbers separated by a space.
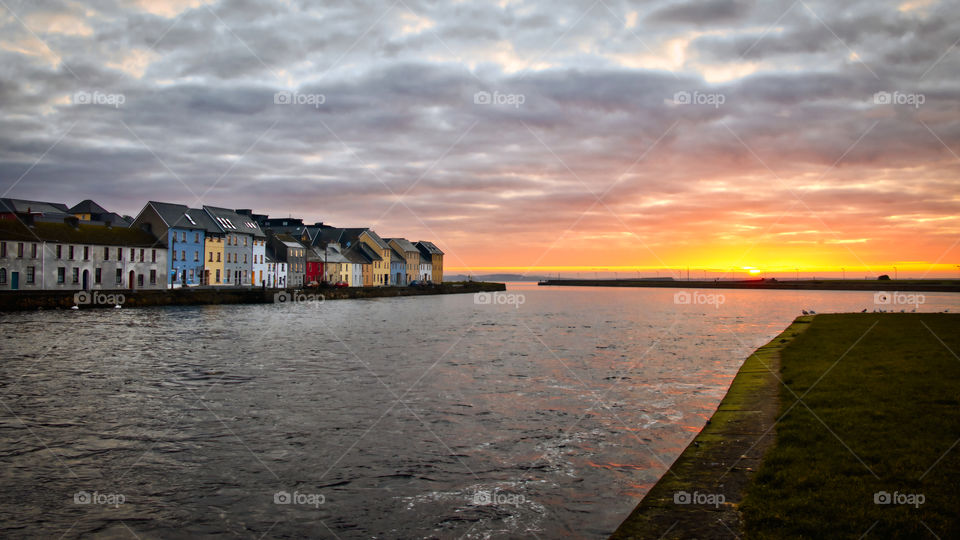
pixel 879 412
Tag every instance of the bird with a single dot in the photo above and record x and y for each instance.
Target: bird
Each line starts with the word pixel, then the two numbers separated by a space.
pixel 864 310
pixel 804 312
pixel 812 312
pixel 75 307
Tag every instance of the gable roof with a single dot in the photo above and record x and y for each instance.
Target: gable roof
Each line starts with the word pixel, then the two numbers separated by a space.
pixel 23 205
pixel 428 247
pixel 179 216
pixel 229 221
pixel 404 244
pixel 396 256
pixel 87 206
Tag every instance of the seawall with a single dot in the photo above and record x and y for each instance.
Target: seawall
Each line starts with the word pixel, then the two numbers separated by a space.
pixel 933 285
pixel 30 300
pixel 698 496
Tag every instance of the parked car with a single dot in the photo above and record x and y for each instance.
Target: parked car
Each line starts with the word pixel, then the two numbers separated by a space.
pixel 341 284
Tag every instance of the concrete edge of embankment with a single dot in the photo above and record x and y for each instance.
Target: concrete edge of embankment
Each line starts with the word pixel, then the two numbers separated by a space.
pixel 33 300
pixel 699 496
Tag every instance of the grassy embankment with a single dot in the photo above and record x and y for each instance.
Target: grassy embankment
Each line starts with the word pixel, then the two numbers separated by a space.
pixel 877 419
pixel 879 413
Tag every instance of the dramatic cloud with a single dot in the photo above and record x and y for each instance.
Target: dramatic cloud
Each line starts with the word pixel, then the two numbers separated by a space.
pixel 714 134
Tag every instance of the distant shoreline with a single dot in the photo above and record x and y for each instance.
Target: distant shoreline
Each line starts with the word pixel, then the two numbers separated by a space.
pixel 918 285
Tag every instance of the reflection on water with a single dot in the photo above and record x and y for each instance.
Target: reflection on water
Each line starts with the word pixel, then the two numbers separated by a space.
pixel 394 418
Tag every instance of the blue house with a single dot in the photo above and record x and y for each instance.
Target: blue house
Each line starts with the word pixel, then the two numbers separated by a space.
pixel 398 268
pixel 182 231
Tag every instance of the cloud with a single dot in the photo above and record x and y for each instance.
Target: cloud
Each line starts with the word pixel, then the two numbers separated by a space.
pixel 444 120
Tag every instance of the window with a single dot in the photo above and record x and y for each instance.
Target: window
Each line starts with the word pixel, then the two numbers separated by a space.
pixel 141 255
pixel 97 276
pixel 120 254
pixel 86 253
pixel 20 250
pixel 196 237
pixel 3 276
pixel 31 274
pixel 120 274
pixel 218 276
pixel 70 253
pixel 76 275
pixel 183 255
pixel 139 280
pixel 191 275
pixel 133 254
pixel 173 253
pixel 211 256
pixel 153 277
pixel 183 236
pixel 244 258
pixel 226 276
pixel 196 256
pixel 244 241
pixel 218 259
pixel 33 251
pixel 3 249
pixel 106 253
pixel 153 255
pixel 61 275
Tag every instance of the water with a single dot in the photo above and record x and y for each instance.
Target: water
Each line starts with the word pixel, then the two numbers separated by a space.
pixel 386 418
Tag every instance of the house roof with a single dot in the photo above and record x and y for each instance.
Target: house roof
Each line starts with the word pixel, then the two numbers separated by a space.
pixel 23 205
pixel 179 216
pixel 229 221
pixel 368 252
pixel 428 247
pixel 404 244
pixel 82 234
pixel 396 256
pixel 356 255
pixel 87 206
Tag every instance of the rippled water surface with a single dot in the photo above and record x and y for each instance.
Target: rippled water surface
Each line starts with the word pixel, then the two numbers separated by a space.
pixel 429 417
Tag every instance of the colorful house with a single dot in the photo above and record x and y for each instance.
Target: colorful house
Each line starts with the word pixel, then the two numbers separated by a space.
pixel 398 269
pixel 182 231
pixel 239 232
pixel 429 250
pixel 291 253
pixel 410 254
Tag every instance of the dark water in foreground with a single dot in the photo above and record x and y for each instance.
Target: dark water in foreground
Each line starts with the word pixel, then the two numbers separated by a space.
pixel 391 418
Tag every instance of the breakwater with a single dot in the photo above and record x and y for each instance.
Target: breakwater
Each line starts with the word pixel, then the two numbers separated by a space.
pixel 917 285
pixel 31 300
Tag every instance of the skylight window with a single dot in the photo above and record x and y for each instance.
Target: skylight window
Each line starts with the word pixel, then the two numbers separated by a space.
pixel 191 219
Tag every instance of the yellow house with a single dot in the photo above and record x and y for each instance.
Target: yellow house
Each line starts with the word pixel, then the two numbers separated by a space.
pixel 213 259
pixel 381 268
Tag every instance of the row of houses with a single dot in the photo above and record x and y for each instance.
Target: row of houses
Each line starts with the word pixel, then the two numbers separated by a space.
pixel 48 246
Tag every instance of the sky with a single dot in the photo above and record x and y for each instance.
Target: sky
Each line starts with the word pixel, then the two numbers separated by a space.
pixel 723 135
